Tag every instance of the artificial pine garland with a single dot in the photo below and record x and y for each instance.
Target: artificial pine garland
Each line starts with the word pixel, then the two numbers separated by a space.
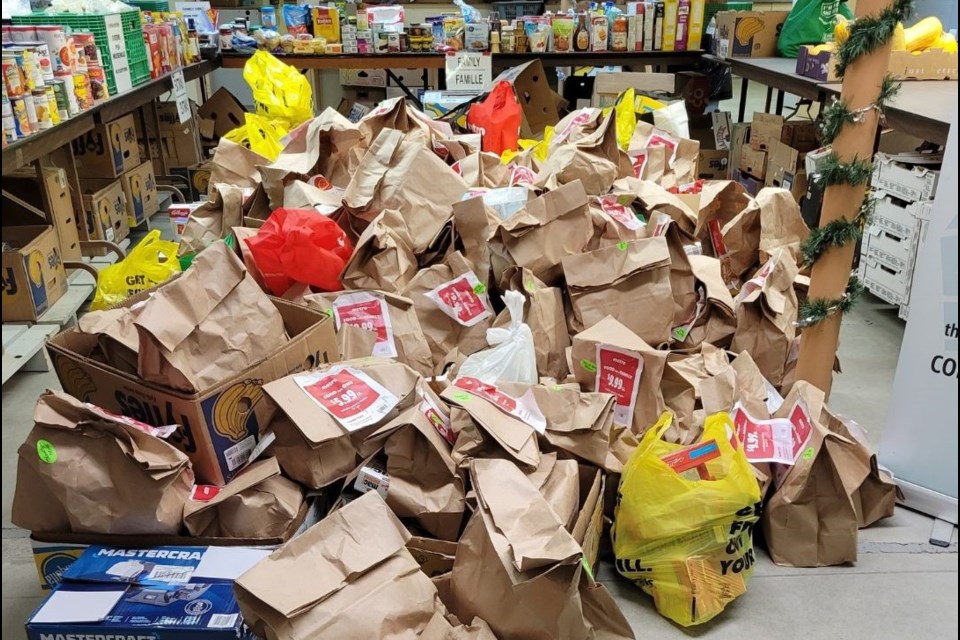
pixel 836 233
pixel 870 32
pixel 815 310
pixel 837 113
pixel 833 171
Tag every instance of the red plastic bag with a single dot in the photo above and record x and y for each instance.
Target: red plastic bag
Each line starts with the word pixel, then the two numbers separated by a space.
pixel 300 245
pixel 497 119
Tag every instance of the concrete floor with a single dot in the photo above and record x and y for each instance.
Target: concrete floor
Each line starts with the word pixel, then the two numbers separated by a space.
pixel 900 583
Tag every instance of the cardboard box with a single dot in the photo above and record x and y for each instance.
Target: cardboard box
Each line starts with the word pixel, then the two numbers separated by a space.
pixel 739 138
pixel 895 249
pixel 199 178
pixel 934 64
pixel 714 164
pixel 175 592
pixel 440 103
pixel 785 169
pixel 748 34
pixel 33 275
pixel 899 217
pixel 61 212
pixel 908 176
pixel 712 131
pixel 751 184
pixel 105 207
pixel 767 128
pixel 216 449
pixel 608 86
pixel 753 162
pixel 888 282
pixel 220 114
pixel 140 192
pixel 537 100
pixel 108 150
pixel 178 143
pixel 363 77
pixel 412 78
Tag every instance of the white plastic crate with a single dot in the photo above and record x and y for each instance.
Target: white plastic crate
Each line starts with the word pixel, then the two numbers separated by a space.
pixel 911 177
pixel 887 282
pixel 893 249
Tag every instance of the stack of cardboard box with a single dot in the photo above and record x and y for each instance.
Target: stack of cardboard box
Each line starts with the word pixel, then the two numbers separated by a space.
pixel 904 188
pixel 770 152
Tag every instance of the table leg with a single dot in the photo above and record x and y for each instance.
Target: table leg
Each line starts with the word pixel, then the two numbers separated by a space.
pixel 744 85
pixel 780 97
pixel 769 101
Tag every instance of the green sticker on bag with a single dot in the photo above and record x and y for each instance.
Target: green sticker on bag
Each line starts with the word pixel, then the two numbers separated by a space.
pixel 622 246
pixel 329 312
pixel 589 365
pixel 480 288
pixel 586 567
pixel 531 287
pixel 808 453
pixel 461 396
pixel 46 451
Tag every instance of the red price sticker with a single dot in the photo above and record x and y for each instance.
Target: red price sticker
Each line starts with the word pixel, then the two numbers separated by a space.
pixel 522 175
pixel 369 312
pixel 204 492
pixel 524 408
pixel 638 160
pixel 158 432
pixel 437 417
pixel 764 440
pixel 464 299
pixel 660 140
pixel 802 427
pixel 353 398
pixel 618 373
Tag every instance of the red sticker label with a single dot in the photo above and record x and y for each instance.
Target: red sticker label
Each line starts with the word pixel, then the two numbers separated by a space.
pixel 464 299
pixel 352 397
pixel 368 312
pixel 638 160
pixel 618 373
pixel 204 492
pixel 620 212
pixel 524 409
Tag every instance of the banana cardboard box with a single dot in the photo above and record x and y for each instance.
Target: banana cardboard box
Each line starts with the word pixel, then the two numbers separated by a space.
pixel 107 150
pixel 220 424
pixel 33 275
pixel 748 34
pixel 140 190
pixel 105 210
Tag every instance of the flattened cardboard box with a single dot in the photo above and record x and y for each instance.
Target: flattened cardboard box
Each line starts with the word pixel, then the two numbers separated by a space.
pixel 220 425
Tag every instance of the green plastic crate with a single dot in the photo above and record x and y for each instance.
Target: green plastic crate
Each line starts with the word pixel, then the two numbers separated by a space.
pixel 96 24
pixel 150 5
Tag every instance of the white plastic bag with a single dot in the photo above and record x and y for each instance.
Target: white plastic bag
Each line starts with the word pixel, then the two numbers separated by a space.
pixel 511 356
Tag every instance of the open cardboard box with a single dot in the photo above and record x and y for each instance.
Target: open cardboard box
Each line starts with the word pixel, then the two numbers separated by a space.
pixel 540 103
pixel 933 64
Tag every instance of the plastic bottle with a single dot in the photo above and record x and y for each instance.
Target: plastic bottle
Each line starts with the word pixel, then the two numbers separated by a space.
pixel 581 35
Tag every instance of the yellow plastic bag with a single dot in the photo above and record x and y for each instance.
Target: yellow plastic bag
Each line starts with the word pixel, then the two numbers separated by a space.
pixel 279 91
pixel 626 117
pixel 260 134
pixel 687 542
pixel 149 263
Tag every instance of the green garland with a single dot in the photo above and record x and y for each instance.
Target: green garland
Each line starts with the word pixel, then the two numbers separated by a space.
pixel 816 310
pixel 833 171
pixel 870 32
pixel 837 113
pixel 836 233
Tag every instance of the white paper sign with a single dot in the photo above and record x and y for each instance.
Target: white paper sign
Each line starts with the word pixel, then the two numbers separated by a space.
pixel 469 71
pixel 180 95
pixel 117 49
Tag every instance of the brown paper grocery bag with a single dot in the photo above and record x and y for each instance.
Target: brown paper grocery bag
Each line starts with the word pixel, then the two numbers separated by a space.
pixel 558 481
pixel 640 399
pixel 681 389
pixel 313 445
pixel 810 519
pixel 515 557
pixel 435 557
pixel 207 325
pixel 720 202
pixel 116 334
pixel 538 237
pixel 766 310
pixel 474 226
pixel 615 220
pixel 653 199
pixel 382 258
pixel 214 219
pixel 483 430
pixel 680 166
pixel 483 170
pixel 349 577
pixel 441 628
pixel 781 225
pixel 683 284
pixel 453 307
pixel 391 317
pixel 425 484
pixel 241 235
pixel 83 470
pixel 236 165
pixel 298 194
pixel 714 321
pixel 619 281
pixel 400 172
pixel 593 158
pixel 601 612
pixel 394 113
pixel 258 503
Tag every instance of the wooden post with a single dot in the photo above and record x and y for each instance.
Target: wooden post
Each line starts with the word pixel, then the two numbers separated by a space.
pixel 829 276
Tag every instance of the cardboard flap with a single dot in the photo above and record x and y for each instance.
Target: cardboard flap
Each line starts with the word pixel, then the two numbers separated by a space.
pixel 546 208
pixel 603 267
pixel 337 551
pixel 520 513
pixel 567 410
pixel 250 477
pixel 415 418
pixel 177 310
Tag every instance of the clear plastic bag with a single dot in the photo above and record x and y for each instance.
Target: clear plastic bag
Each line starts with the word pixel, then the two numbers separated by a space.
pixel 511 356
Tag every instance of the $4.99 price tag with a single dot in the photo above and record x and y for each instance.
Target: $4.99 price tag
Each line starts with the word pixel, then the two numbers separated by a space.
pixel 353 398
pixel 618 373
pixel 369 312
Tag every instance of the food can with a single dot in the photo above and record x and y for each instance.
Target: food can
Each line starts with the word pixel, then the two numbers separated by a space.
pixel 23 32
pixel 21 121
pixel 79 56
pixel 60 97
pixel 13 78
pixel 44 62
pixel 61 55
pixel 42 107
pixel 81 89
pixel 28 66
pixel 9 128
pixel 98 83
pixel 88 43
pixel 52 104
pixel 31 111
pixel 73 106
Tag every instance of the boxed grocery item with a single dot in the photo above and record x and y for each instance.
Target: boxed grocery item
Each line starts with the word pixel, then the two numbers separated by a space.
pixel 172 592
pixel 909 176
pixel 105 206
pixel 748 34
pixel 61 213
pixel 221 422
pixel 33 275
pixel 107 150
pixel 140 190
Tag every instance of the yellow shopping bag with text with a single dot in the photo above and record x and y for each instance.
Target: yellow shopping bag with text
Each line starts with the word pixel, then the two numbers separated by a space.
pixel 149 263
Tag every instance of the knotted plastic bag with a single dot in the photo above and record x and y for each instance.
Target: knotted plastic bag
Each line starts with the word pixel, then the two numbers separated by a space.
pixel 511 356
pixel 149 263
pixel 497 119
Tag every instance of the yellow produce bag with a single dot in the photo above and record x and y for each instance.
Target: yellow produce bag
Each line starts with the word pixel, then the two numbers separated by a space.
pixel 260 134
pixel 688 543
pixel 279 91
pixel 149 263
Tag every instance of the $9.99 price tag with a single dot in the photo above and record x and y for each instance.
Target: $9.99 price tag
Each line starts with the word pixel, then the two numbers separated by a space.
pixel 618 373
pixel 353 398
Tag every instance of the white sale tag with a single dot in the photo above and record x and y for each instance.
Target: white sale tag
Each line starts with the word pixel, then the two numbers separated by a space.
pixel 464 299
pixel 180 96
pixel 369 312
pixel 777 440
pixel 618 208
pixel 618 373
pixel 353 398
pixel 523 408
